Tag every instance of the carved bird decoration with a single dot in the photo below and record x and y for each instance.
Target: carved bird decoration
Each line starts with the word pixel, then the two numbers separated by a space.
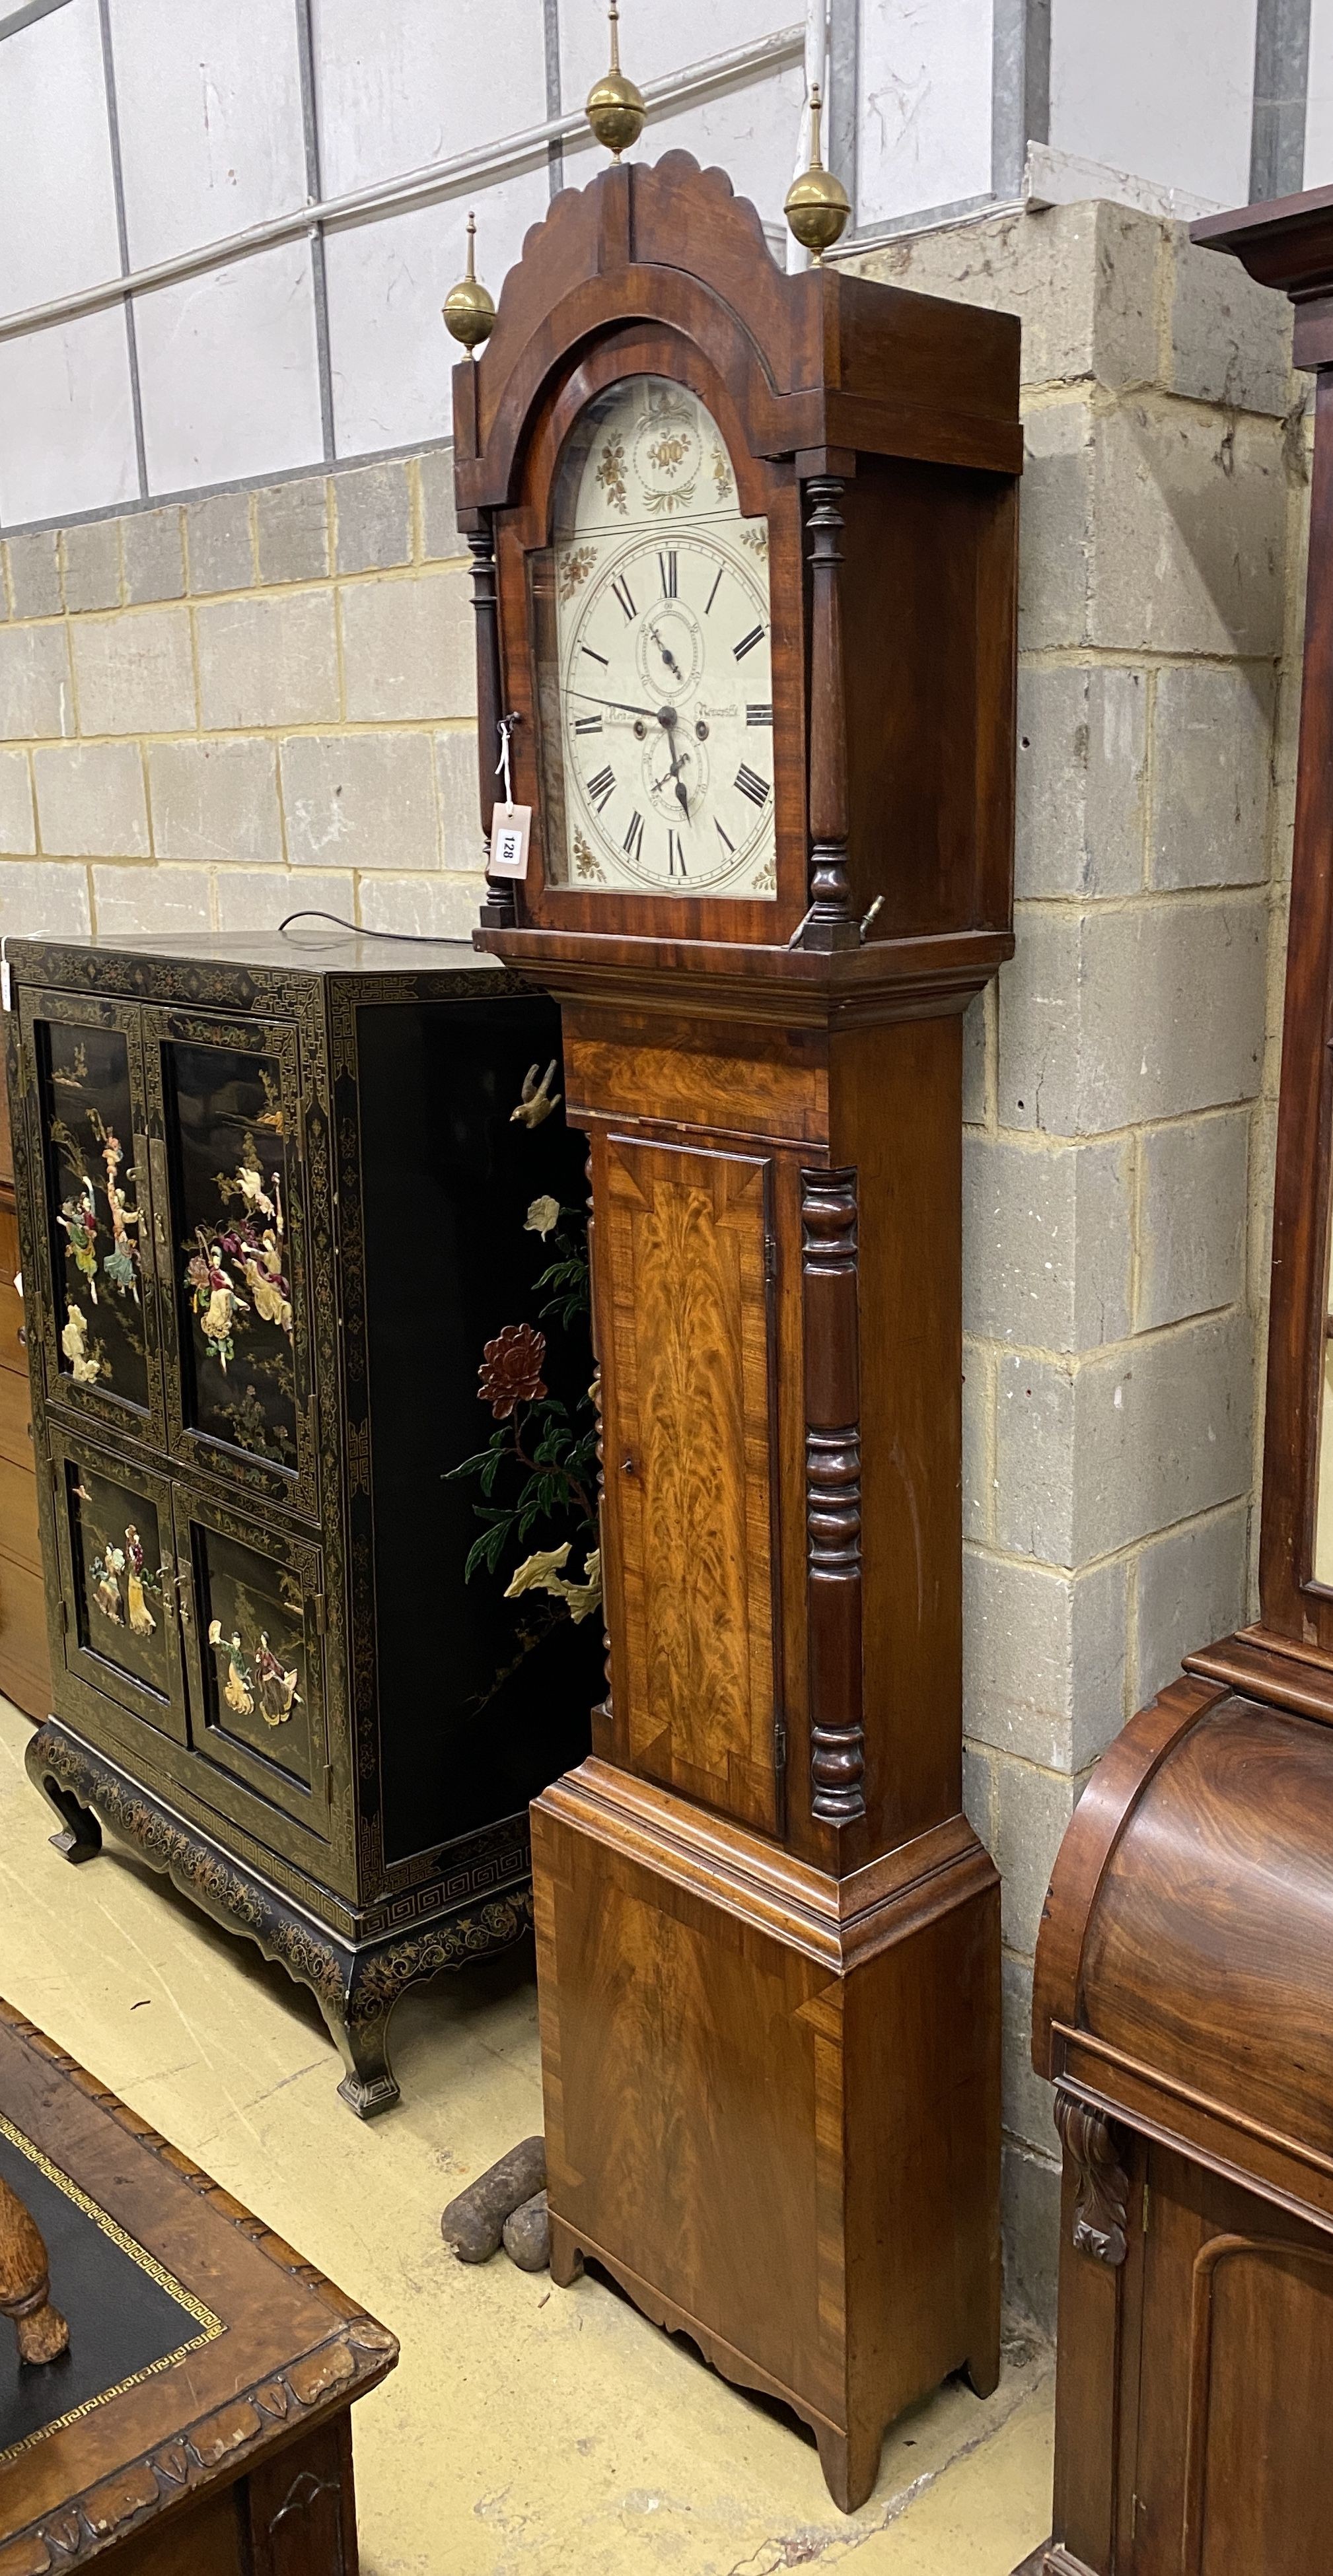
pixel 537 1101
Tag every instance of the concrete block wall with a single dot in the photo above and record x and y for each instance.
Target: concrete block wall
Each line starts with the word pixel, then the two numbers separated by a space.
pixel 215 713
pixel 1118 1151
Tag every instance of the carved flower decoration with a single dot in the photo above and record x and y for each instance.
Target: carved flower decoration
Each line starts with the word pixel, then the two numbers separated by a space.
pixel 511 1369
pixel 542 1218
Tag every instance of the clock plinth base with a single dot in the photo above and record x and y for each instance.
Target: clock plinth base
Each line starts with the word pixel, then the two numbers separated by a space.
pixel 771 2099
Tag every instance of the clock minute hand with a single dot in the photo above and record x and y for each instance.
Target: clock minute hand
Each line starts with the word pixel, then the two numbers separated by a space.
pixel 621 705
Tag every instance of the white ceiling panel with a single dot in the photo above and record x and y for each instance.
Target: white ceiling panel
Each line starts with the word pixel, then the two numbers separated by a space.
pixel 924 137
pixel 228 373
pixel 654 42
pixel 1164 93
pixel 391 354
pixel 66 419
pixel 57 197
pixel 407 82
pixel 211 133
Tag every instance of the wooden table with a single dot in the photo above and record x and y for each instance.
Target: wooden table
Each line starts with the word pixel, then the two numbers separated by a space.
pixel 201 2418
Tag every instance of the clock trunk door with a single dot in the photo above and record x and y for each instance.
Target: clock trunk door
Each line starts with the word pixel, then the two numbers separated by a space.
pixel 690 1440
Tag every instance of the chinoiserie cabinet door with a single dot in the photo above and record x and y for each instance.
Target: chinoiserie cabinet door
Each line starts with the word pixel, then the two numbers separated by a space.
pixel 685 1319
pixel 253 1616
pixel 224 1105
pixel 118 1612
pixel 92 1305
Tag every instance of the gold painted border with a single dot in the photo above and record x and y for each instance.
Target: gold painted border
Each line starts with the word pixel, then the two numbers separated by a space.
pixel 212 2326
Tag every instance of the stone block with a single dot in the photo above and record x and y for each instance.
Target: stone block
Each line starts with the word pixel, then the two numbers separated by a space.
pixel 1082 756
pixel 128 900
pixel 1044 1659
pixel 34 574
pixel 1191 1591
pixel 91 802
pixel 154 556
pixel 373 516
pixel 439 907
pixel 456 796
pixel 440 536
pixel 1047 1243
pixel 1192 1210
pixel 976 1081
pixel 18 833
pixel 1027 2098
pixel 218 549
pixel 41 899
pixel 1188 534
pixel 1030 2234
pixel 978 1419
pixel 362 800
pixel 1109 1018
pixel 36 699
pixel 1212 763
pixel 1055 542
pixel 1229 341
pixel 215 800
pixel 1082 278
pixel 292 530
pixel 134 673
pixel 408 649
pixel 1029 1811
pixel 268 662
pixel 92 565
pixel 1091 1458
pixel 247 898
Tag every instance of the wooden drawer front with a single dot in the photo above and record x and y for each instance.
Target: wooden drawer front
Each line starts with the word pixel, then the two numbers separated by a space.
pixel 19 1539
pixel 13 1350
pixel 15 1419
pixel 25 1661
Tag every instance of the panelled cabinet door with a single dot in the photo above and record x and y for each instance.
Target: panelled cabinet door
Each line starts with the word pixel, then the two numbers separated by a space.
pixel 119 1602
pixel 224 1101
pixel 93 1307
pixel 685 1314
pixel 254 1645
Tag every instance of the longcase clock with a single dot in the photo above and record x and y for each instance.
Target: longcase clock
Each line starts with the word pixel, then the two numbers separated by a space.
pixel 745 571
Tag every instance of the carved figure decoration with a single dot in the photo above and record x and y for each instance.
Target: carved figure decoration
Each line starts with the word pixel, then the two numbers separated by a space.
pixel 96 1218
pixel 256 1678
pixel 537 1099
pixel 25 2283
pixel 246 1252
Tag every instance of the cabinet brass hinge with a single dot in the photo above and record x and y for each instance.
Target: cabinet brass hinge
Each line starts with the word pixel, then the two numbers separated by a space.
pixel 62 1614
pixel 780 1743
pixel 320 1610
pixel 770 1259
pixel 1145 2209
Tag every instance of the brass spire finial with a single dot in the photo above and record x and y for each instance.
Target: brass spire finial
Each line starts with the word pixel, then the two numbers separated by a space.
pixel 469 310
pixel 615 108
pixel 817 206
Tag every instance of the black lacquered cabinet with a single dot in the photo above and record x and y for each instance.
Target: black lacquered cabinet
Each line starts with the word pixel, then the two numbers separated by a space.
pixel 272 1208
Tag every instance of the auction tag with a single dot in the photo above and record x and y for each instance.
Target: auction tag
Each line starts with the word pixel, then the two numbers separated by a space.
pixel 511 826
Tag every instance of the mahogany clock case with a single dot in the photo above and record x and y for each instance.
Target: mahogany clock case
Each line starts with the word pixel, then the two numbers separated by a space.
pixel 1183 2002
pixel 273 1201
pixel 768 1942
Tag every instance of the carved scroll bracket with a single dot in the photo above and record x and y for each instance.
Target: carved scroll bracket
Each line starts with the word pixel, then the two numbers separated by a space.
pixel 500 909
pixel 1096 2150
pixel 830 922
pixel 833 1494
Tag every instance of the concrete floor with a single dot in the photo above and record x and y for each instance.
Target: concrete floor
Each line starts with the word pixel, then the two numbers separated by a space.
pixel 526 2429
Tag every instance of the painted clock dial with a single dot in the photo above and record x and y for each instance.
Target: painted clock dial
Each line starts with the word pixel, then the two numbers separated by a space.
pixel 656 695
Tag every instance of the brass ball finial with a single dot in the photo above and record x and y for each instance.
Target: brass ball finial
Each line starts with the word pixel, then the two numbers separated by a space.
pixel 615 108
pixel 469 309
pixel 817 206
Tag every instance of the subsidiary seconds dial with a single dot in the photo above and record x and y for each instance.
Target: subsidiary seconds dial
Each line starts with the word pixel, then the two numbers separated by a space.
pixel 668 717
